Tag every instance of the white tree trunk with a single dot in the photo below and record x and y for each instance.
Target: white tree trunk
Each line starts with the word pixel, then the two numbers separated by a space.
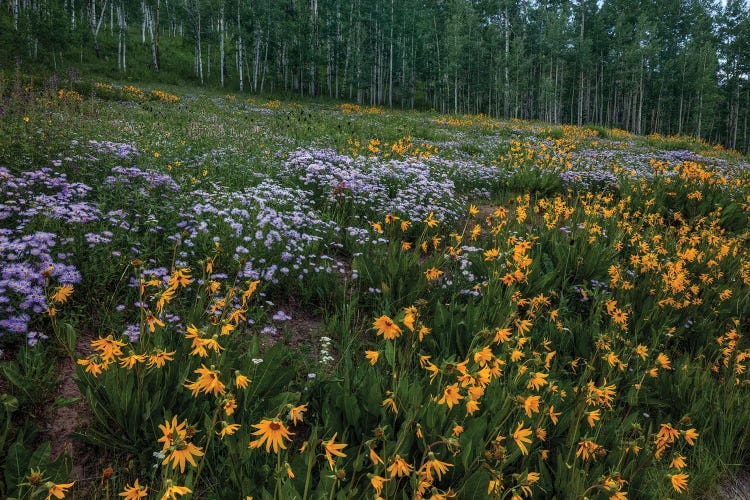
pixel 506 67
pixel 149 20
pixel 143 23
pixel 256 61
pixel 14 11
pixel 96 24
pixel 221 44
pixel 390 62
pixel 240 62
pixel 198 52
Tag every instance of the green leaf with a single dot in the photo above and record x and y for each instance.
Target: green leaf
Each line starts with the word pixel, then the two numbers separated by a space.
pixel 10 403
pixel 16 464
pixel 62 401
pixel 14 376
pixel 70 336
pixel 351 408
pixel 390 354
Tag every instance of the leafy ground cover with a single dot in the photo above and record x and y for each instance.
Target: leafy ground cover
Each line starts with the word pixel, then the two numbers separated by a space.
pixel 241 297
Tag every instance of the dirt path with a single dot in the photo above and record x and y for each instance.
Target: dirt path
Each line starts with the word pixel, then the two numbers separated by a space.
pixel 737 488
pixel 62 421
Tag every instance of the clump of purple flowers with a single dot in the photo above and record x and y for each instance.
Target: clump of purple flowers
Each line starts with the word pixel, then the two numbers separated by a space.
pixel 26 267
pixel 151 178
pixel 117 149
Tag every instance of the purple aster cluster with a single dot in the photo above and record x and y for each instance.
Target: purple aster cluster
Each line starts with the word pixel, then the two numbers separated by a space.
pixel 31 259
pixel 638 161
pixel 26 267
pixel 474 178
pixel 117 149
pixel 275 231
pixel 412 189
pixel 45 193
pixel 151 178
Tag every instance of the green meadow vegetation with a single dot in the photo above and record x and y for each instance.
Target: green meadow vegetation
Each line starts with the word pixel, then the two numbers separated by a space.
pixel 213 296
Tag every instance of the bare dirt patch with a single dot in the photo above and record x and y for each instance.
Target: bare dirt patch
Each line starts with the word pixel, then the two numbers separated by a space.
pixel 60 421
pixel 736 488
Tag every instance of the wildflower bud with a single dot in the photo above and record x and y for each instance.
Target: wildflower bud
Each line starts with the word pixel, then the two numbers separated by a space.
pixel 35 477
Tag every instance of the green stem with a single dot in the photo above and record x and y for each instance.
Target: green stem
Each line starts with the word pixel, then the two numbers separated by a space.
pixel 208 443
pixel 277 490
pixel 333 488
pixel 308 476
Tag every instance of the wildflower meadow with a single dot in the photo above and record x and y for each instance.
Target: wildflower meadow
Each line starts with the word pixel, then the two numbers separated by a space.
pixel 211 296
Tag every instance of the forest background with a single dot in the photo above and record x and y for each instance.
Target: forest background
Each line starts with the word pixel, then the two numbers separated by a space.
pixel 673 67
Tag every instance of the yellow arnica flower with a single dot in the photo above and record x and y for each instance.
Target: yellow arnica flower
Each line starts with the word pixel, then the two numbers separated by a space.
pixel 152 321
pixel 678 462
pixel 92 366
pixel 399 467
pixel 228 430
pixel 333 449
pixel 437 466
pixel 180 278
pixel 433 273
pixel 664 361
pixel 183 450
pixel 521 437
pixel 63 293
pixel 240 380
pixel 207 382
pixel 108 348
pixel 483 356
pixel 372 356
pixel 586 449
pixel 374 457
pixel 451 396
pixel 377 483
pixel 690 436
pixel 593 416
pixel 530 404
pixel 174 491
pixel 409 319
pixel 296 414
pixel 160 358
pixel 58 490
pixel 134 492
pixel 130 360
pixel 229 406
pixel 679 482
pixel 431 221
pixel 170 431
pixel 387 328
pixel 537 381
pixel 272 433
